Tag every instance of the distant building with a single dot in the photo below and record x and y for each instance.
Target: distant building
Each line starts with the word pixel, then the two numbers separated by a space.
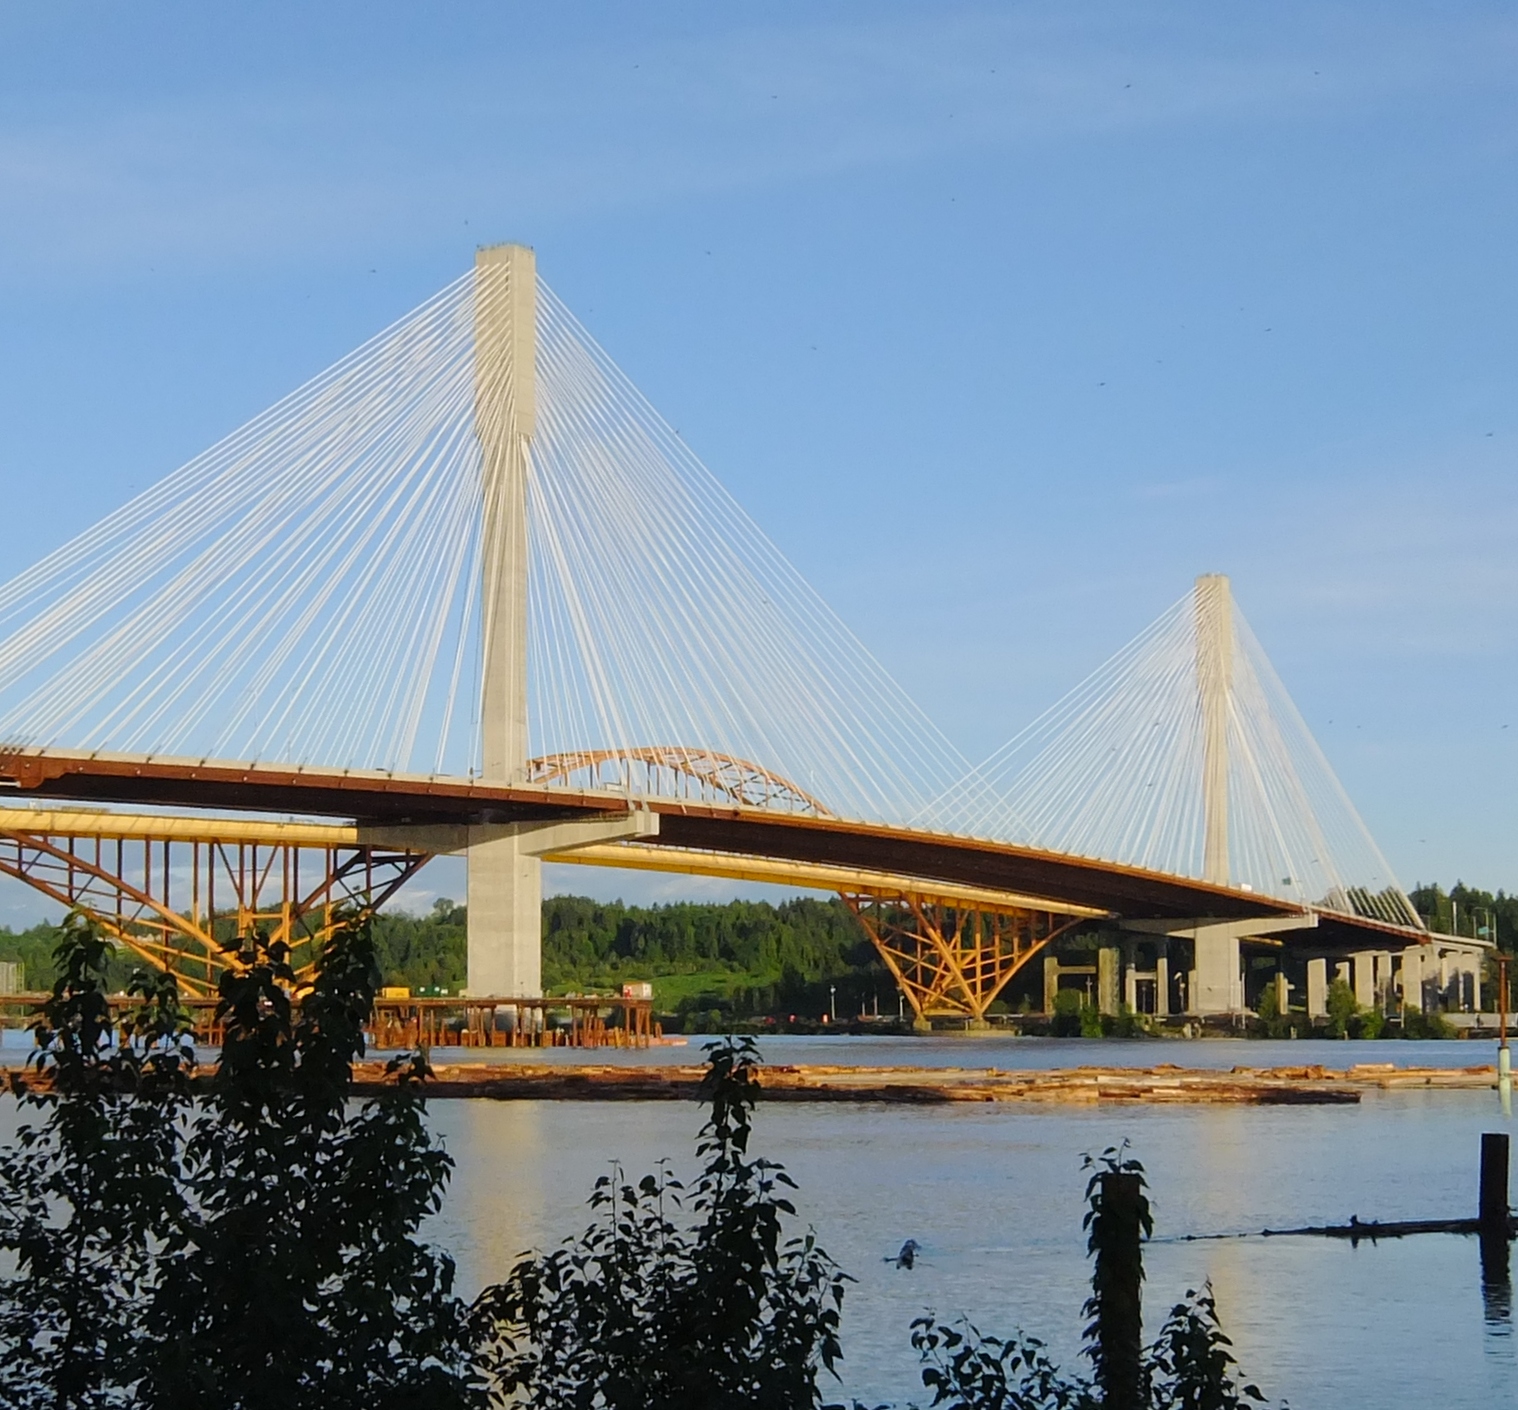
pixel 12 977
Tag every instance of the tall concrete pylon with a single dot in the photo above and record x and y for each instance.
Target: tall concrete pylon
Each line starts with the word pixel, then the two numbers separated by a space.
pixel 1214 679
pixel 1219 982
pixel 505 879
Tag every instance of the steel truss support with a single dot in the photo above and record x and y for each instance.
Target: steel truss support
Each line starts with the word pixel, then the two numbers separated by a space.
pixel 953 960
pixel 177 903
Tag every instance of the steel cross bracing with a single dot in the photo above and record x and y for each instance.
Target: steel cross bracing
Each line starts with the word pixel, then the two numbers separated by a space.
pixel 952 960
pixel 182 905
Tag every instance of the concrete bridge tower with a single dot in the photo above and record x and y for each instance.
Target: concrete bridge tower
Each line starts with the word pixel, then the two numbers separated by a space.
pixel 1218 978
pixel 505 879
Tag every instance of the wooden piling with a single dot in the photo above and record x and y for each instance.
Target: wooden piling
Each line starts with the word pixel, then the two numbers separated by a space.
pixel 1492 1208
pixel 1119 1275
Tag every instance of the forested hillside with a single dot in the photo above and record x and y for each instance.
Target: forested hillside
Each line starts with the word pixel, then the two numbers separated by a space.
pixel 1464 910
pixel 744 957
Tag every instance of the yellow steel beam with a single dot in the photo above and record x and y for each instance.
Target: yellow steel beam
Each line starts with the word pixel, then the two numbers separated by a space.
pixel 186 827
pixel 174 827
pixel 810 874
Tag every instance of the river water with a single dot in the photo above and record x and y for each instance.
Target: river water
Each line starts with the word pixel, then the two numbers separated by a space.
pixel 993 1196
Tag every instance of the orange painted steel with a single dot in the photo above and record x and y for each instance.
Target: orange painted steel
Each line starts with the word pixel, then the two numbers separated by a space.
pixel 175 904
pixel 953 960
pixel 718 778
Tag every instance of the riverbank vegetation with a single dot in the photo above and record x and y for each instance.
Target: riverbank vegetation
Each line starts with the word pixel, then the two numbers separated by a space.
pixel 709 963
pixel 249 1239
pixel 719 966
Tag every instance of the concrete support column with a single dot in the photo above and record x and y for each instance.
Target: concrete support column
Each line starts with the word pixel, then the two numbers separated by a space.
pixel 1365 979
pixel 505 919
pixel 1317 988
pixel 1162 982
pixel 1218 980
pixel 1130 977
pixel 1412 977
pixel 1385 998
pixel 1051 982
pixel 1476 985
pixel 1283 993
pixel 1343 972
pixel 1106 979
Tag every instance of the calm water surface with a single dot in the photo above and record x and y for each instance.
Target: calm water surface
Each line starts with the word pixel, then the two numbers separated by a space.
pixel 993 1195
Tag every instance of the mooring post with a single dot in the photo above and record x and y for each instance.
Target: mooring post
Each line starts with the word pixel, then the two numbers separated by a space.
pixel 1504 1055
pixel 1494 1221
pixel 1492 1212
pixel 1119 1273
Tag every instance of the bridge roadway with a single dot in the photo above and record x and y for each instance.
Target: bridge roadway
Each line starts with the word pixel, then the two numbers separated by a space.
pixel 388 809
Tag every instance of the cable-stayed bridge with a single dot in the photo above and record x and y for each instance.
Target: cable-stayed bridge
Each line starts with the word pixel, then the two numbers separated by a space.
pixel 467 592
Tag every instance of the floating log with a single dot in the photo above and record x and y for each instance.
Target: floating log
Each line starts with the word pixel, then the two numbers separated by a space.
pixel 1165 1083
pixel 908 1085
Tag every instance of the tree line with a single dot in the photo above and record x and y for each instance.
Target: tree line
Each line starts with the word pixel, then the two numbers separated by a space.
pixel 778 957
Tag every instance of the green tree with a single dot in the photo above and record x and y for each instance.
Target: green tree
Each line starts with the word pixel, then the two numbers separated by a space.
pixel 640 1311
pixel 1069 1014
pixel 89 1196
pixel 297 1280
pixel 1342 1008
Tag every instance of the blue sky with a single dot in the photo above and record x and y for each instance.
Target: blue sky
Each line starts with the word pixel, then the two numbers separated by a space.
pixel 1003 320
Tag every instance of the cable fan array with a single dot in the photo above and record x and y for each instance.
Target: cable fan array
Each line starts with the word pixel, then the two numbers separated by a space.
pixel 1115 772
pixel 308 592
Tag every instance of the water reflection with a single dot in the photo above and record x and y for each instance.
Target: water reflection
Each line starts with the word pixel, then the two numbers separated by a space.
pixel 1497 1284
pixel 992 1197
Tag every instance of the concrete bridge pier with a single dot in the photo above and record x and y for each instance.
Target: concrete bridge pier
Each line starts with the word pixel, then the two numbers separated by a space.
pixel 1412 977
pixel 1317 988
pixel 1365 978
pixel 1217 980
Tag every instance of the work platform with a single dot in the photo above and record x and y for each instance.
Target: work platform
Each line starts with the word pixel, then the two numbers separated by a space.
pixel 576 1021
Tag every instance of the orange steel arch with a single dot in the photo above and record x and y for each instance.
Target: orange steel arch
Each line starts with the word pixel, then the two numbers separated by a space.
pixel 668 770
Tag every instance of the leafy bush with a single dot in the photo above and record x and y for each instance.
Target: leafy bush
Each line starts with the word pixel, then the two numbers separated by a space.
pixel 253 1249
pixel 1068 1004
pixel 298 1279
pixel 1368 1024
pixel 89 1196
pixel 1341 1008
pixel 1418 1023
pixel 1188 1367
pixel 640 1311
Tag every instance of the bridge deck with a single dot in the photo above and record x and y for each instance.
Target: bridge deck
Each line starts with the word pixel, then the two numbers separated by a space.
pixel 1055 879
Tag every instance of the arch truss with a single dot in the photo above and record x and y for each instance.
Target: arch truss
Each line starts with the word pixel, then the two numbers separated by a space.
pixel 675 771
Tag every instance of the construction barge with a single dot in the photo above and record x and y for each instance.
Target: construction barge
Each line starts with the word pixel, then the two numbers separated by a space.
pixel 1166 1083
